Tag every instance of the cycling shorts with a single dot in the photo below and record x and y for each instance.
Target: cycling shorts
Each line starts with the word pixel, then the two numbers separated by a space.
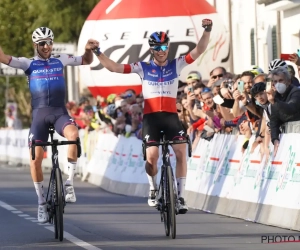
pixel 42 118
pixel 169 123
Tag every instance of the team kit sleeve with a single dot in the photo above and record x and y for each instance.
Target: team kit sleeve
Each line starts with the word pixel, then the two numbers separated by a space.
pixel 69 60
pixel 19 63
pixel 134 68
pixel 183 61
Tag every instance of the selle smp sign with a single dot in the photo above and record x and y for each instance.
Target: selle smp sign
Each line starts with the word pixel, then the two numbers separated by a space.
pixel 123 26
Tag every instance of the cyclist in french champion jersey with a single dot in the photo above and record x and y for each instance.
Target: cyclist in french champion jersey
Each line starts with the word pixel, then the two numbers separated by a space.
pixel 159 86
pixel 47 87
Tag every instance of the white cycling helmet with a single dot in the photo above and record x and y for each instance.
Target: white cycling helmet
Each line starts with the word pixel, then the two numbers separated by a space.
pixel 276 64
pixel 42 33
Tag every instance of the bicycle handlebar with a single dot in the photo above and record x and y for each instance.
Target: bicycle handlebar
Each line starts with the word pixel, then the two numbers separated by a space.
pixel 168 142
pixel 173 142
pixel 55 143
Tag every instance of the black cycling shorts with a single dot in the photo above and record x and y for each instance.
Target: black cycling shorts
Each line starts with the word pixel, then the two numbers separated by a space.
pixel 167 122
pixel 42 118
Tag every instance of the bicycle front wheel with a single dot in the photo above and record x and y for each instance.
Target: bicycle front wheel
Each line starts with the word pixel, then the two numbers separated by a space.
pixel 58 218
pixel 171 203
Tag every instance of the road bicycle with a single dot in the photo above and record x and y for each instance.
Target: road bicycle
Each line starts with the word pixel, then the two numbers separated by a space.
pixel 167 191
pixel 56 200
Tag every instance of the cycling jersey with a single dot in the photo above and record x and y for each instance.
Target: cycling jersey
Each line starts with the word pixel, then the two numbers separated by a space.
pixel 45 78
pixel 159 83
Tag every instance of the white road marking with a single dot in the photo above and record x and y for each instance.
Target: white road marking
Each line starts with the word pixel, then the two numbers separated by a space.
pixel 76 241
pixel 6 206
pixel 67 236
pixel 29 218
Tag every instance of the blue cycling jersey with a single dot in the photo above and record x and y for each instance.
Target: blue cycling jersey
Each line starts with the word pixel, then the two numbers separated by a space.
pixel 45 78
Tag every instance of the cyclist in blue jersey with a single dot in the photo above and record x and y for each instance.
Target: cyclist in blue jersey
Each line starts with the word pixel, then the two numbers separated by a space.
pixel 47 87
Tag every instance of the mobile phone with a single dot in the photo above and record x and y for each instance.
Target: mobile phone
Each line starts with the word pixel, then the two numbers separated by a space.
pixel 241 86
pixel 190 90
pixel 285 57
pixel 218 99
pixel 298 52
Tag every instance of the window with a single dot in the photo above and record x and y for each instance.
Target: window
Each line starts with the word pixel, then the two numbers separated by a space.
pixel 252 47
pixel 274 43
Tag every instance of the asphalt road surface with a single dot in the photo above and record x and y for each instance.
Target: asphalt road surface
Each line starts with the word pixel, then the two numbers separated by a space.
pixel 101 220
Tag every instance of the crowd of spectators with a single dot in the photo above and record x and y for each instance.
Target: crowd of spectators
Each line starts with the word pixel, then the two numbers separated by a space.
pixel 255 101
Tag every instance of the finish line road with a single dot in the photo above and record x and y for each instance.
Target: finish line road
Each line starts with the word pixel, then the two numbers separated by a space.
pixel 105 221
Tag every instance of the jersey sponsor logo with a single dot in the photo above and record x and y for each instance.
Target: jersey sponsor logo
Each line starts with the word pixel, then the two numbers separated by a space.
pixel 31 136
pixel 150 74
pixel 38 64
pixel 166 83
pixel 147 137
pixel 37 71
pixel 181 132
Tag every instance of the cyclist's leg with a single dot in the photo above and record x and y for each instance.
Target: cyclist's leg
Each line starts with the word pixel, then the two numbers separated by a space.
pixel 38 132
pixel 175 131
pixel 66 127
pixel 151 132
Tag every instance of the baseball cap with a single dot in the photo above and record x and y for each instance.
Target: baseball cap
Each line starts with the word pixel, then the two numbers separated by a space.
pixel 193 76
pixel 111 98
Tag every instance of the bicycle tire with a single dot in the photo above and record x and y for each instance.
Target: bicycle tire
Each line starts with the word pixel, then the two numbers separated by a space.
pixel 53 202
pixel 171 203
pixel 59 206
pixel 165 208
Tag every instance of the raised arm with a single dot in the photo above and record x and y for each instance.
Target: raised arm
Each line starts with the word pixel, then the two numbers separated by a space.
pixel 4 58
pixel 203 42
pixel 108 63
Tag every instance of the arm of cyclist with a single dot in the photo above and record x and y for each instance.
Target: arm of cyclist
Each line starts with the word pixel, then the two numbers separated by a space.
pixel 110 64
pixel 87 57
pixel 203 42
pixel 4 58
pixel 14 62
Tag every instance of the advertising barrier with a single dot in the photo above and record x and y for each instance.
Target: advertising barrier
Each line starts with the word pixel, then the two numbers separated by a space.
pixel 221 178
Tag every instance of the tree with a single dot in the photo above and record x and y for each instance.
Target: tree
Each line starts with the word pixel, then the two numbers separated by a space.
pixel 18 20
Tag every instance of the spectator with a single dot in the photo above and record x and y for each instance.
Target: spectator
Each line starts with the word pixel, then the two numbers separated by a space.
pixel 130 96
pixel 215 75
pixel 192 79
pixel 285 103
pixel 292 72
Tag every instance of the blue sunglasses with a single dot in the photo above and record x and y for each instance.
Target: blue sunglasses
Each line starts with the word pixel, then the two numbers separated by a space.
pixel 162 47
pixel 206 90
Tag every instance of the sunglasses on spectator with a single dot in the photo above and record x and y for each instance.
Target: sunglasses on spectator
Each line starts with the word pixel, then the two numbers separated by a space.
pixel 215 77
pixel 127 96
pixel 43 43
pixel 206 90
pixel 159 48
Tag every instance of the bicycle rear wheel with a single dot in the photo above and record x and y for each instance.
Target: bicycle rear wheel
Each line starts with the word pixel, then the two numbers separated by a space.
pixel 171 203
pixel 58 217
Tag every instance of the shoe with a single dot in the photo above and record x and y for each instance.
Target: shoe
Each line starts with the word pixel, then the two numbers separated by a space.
pixel 70 194
pixel 152 202
pixel 43 216
pixel 182 207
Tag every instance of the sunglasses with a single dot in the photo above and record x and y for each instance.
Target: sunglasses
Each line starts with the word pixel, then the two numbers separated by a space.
pixel 43 43
pixel 215 77
pixel 127 96
pixel 162 47
pixel 206 90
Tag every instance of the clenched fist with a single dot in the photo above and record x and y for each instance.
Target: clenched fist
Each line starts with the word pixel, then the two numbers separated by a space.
pixel 207 24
